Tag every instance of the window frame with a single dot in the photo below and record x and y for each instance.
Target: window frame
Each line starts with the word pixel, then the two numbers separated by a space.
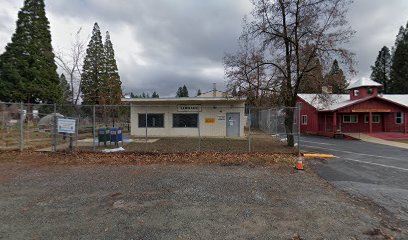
pixel 366 120
pixel 197 119
pixel 400 117
pixel 370 90
pixel 356 92
pixel 144 115
pixel 351 116
pixel 304 117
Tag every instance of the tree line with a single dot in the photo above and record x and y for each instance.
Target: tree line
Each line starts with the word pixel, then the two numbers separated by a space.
pixel 391 66
pixel 28 67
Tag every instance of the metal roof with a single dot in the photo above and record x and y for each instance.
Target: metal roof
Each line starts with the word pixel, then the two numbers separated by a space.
pixel 364 82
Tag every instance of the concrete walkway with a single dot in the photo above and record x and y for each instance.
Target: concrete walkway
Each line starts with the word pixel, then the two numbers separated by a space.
pixel 371 139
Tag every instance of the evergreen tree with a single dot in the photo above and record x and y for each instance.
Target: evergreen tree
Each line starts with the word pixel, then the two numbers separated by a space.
pixel 111 75
pixel 199 92
pixel 93 83
pixel 185 91
pixel 313 80
pixel 66 93
pixel 336 79
pixel 399 66
pixel 27 68
pixel 143 95
pixel 182 92
pixel 155 95
pixel 381 69
pixel 179 92
pixel 132 95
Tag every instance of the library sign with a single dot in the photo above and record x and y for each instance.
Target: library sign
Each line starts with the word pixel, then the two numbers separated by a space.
pixel 188 108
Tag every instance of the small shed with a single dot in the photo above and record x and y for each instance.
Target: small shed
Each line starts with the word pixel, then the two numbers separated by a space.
pixel 187 117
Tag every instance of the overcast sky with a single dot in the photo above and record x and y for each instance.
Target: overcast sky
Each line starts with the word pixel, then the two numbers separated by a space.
pixel 162 44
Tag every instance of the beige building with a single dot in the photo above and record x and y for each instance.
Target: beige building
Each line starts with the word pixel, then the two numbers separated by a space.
pixel 187 117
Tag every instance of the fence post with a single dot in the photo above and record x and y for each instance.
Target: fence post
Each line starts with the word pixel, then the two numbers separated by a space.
pixel 93 128
pixel 145 128
pixel 249 129
pixel 54 130
pixel 199 131
pixel 21 127
pixel 298 121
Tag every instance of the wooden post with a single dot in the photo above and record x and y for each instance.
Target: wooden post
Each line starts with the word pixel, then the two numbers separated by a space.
pixel 334 122
pixel 405 119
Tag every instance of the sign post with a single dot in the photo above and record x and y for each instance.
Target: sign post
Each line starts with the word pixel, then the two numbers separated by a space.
pixel 67 126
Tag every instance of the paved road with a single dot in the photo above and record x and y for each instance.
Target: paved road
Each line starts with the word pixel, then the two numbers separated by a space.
pixel 371 171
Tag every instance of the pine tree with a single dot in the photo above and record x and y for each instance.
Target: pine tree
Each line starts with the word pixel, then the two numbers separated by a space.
pixel 313 80
pixel 399 66
pixel 143 95
pixel 179 92
pixel 93 83
pixel 27 68
pixel 336 79
pixel 155 95
pixel 185 91
pixel 113 85
pixel 381 69
pixel 132 95
pixel 66 93
pixel 199 92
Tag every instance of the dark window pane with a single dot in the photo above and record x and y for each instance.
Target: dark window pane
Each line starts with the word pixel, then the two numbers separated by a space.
pixel 185 120
pixel 153 120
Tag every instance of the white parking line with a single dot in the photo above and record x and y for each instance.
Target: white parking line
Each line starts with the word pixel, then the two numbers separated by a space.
pixel 371 163
pixel 362 154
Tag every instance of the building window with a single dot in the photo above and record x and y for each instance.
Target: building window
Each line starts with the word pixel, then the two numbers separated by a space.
pixel 376 118
pixel 154 120
pixel 370 90
pixel 399 118
pixel 350 119
pixel 185 120
pixel 304 119
pixel 356 92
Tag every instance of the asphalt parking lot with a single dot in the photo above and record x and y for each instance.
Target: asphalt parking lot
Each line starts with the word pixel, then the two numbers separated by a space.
pixel 177 201
pixel 375 172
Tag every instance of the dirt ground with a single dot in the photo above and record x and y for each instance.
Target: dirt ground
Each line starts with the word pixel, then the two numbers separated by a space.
pixel 176 196
pixel 258 143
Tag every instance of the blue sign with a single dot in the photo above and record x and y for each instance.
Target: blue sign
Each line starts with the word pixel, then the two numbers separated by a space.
pixel 66 125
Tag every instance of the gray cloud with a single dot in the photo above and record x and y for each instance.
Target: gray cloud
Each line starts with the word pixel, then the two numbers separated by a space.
pixel 163 44
pixel 377 23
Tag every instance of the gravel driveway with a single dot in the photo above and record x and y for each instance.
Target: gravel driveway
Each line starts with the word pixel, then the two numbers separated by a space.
pixel 178 201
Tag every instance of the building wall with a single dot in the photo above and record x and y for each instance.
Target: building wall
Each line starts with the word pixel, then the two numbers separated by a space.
pixel 217 129
pixel 312 126
pixel 378 106
pixel 321 122
pixel 363 93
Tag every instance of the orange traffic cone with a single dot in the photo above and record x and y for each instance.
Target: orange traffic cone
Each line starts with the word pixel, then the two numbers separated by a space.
pixel 299 164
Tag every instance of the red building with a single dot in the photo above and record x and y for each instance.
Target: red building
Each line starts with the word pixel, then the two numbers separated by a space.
pixel 364 109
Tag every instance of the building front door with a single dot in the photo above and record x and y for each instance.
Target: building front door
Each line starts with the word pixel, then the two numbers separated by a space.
pixel 233 124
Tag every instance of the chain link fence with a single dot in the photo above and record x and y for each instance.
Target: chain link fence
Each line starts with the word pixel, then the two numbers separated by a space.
pixel 52 127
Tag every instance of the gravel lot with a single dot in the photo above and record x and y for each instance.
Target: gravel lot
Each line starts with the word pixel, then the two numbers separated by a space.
pixel 177 201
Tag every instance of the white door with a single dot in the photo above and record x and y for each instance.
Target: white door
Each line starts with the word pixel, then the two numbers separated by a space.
pixel 233 124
